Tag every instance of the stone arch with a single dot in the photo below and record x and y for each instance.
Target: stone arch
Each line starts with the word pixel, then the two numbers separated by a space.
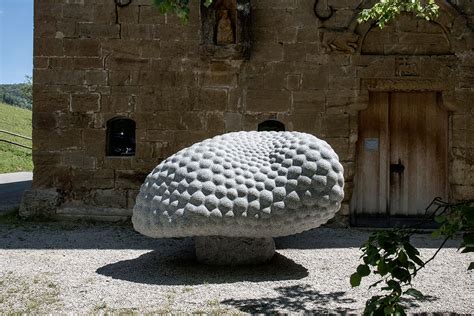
pixel 121 139
pixel 450 27
pixel 408 35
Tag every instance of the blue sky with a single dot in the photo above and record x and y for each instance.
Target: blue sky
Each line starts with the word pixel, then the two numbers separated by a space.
pixel 16 40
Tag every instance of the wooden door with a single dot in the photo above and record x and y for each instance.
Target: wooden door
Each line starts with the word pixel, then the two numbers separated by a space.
pixel 401 155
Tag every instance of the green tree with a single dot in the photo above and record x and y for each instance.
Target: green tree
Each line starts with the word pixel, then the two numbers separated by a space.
pixel 27 89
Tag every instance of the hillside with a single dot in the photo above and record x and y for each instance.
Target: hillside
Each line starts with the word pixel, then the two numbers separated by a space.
pixel 16 120
pixel 16 94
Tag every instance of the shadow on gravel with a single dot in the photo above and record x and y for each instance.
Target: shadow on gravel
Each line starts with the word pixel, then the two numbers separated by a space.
pixel 16 233
pixel 297 298
pixel 321 238
pixel 412 302
pixel 183 269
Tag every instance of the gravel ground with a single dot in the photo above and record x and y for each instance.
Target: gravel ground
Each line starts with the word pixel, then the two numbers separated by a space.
pixel 97 268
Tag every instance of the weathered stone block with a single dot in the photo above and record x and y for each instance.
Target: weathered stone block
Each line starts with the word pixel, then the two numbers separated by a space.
pixel 78 159
pixel 138 31
pixel 268 100
pixel 313 101
pixel 94 142
pixel 233 122
pixel 308 122
pixel 85 102
pixel 150 15
pixel 217 250
pixel 215 123
pixel 119 77
pixel 82 47
pixel 95 30
pixel 129 14
pixel 293 82
pixel 121 103
pixel 150 103
pixel 96 77
pixel 45 120
pixel 336 125
pixel 39 202
pixel 92 179
pixel 109 198
pixel 75 120
pixel 70 139
pixel 211 99
pixel 48 47
pixel 129 179
pixel 58 77
pixel 217 79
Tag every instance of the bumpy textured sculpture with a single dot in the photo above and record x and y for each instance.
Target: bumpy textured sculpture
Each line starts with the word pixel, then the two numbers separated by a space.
pixel 243 184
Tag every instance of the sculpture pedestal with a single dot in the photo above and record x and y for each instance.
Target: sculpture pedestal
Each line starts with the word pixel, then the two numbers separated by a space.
pixel 217 250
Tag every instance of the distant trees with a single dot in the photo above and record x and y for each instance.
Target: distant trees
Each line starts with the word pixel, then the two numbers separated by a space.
pixel 20 95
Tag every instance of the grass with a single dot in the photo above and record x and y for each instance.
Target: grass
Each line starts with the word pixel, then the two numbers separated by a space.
pixel 18 121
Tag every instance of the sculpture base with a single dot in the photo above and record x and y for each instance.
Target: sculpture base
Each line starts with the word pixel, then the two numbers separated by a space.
pixel 217 250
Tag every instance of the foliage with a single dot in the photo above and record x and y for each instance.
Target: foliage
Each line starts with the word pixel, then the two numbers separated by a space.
pixel 386 10
pixel 19 94
pixel 178 7
pixel 382 12
pixel 27 89
pixel 391 256
pixel 16 120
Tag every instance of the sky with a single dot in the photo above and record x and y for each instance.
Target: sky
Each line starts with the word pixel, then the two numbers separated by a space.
pixel 16 40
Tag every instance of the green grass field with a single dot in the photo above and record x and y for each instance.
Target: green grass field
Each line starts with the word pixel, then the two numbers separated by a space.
pixel 15 120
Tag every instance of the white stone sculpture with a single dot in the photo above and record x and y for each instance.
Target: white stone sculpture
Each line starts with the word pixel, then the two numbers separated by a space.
pixel 241 185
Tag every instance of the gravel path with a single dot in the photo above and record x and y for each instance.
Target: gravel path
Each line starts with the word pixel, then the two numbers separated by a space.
pixel 96 268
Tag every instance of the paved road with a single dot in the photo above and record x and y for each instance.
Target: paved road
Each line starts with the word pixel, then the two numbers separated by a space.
pixel 12 186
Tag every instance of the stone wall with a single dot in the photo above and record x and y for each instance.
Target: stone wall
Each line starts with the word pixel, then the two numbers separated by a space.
pixel 94 61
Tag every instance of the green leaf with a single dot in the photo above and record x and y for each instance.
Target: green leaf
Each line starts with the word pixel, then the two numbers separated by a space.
pixel 394 286
pixel 414 292
pixel 401 274
pixel 413 253
pixel 402 257
pixel 389 310
pixel 355 279
pixel 363 270
pixel 440 219
pixel 410 249
pixel 382 268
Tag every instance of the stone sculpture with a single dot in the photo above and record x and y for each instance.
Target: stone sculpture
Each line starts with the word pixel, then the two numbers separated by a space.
pixel 235 188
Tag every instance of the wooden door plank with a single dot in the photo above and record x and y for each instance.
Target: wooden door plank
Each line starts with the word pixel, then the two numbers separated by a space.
pixel 370 191
pixel 418 138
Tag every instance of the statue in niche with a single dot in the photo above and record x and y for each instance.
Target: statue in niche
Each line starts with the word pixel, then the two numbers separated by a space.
pixel 225 32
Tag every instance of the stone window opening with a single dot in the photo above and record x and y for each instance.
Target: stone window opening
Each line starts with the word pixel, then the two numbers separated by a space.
pixel 271 125
pixel 121 137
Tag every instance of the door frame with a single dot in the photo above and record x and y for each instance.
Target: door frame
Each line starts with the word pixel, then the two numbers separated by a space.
pixel 444 99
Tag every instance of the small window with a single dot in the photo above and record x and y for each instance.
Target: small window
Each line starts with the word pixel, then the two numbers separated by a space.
pixel 271 125
pixel 121 137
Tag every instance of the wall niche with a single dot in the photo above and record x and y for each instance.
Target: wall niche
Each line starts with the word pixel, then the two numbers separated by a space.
pixel 225 29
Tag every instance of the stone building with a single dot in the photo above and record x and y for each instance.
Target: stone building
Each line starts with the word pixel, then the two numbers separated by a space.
pixel 118 87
